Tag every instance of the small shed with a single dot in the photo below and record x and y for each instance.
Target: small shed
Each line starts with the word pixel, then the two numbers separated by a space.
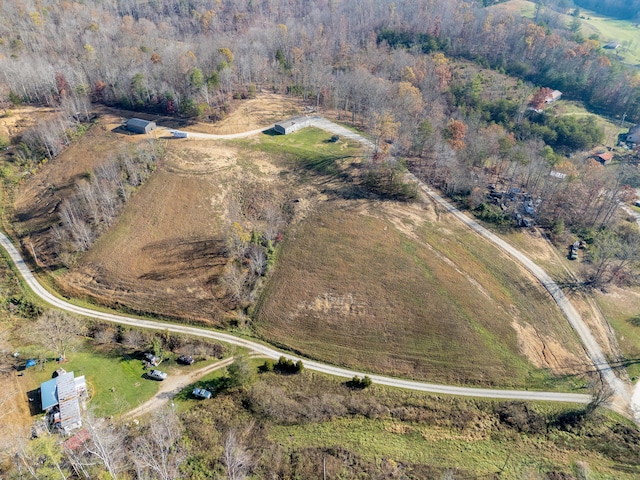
pixel 603 158
pixel 138 125
pixel 292 125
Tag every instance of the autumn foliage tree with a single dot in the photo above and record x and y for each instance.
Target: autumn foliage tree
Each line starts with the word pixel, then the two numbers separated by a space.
pixel 455 133
pixel 539 98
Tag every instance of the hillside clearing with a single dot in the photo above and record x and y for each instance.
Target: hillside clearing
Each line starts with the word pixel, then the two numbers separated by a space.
pixel 415 301
pixel 384 286
pixel 608 29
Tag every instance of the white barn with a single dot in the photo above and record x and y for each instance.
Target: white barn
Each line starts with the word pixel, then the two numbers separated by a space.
pixel 292 125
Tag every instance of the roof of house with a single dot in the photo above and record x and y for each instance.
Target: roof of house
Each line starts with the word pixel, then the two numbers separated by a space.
pixel 605 157
pixel 137 122
pixel 48 394
pixel 556 94
pixel 68 400
pixel 64 391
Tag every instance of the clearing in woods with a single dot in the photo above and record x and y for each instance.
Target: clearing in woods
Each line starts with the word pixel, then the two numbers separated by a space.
pixel 608 29
pixel 390 288
pixel 384 286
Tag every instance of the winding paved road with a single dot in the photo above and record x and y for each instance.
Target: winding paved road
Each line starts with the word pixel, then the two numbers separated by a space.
pixel 272 353
pixel 591 346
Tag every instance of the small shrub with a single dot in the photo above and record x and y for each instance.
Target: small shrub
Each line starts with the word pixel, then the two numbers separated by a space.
pixel 357 383
pixel 288 366
pixel 267 366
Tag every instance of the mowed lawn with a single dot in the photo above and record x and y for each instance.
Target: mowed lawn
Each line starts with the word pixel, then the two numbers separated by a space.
pixel 438 305
pixel 115 382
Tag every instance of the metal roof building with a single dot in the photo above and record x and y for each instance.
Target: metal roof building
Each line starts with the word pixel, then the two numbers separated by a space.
pixel 291 125
pixel 64 391
pixel 138 125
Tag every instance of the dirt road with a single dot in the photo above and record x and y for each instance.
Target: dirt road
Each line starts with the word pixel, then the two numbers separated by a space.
pixel 170 387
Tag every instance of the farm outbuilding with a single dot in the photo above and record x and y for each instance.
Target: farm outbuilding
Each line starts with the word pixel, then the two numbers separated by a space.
pixel 603 158
pixel 292 125
pixel 138 125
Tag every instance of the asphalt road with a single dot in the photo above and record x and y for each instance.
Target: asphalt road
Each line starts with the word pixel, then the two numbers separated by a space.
pixel 272 353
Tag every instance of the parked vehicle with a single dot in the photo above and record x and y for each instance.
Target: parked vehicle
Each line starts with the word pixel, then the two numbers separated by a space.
pixel 186 359
pixel 152 359
pixel 156 375
pixel 201 393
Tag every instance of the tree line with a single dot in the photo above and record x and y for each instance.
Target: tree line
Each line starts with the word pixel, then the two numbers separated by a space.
pixel 193 57
pixel 100 196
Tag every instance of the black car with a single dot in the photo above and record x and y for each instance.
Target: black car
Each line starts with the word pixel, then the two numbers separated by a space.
pixel 186 359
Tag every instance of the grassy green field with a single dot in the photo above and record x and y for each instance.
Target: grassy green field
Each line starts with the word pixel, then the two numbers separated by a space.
pixel 352 289
pixel 625 32
pixel 115 382
pixel 311 148
pixel 608 29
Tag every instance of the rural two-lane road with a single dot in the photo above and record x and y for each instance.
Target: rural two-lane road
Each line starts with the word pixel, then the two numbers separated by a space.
pixel 269 352
pixel 591 346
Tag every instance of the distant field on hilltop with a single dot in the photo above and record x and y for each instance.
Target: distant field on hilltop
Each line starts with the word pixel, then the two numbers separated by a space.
pixel 608 29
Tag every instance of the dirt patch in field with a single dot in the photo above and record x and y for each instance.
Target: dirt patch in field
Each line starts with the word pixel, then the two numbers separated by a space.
pixel 254 113
pixel 546 352
pixel 16 120
pixel 251 114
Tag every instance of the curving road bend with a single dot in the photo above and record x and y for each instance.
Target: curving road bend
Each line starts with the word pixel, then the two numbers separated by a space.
pixel 589 342
pixel 269 352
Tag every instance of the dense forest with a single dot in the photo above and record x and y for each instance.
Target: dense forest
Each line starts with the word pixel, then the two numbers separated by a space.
pixel 413 74
pixel 186 56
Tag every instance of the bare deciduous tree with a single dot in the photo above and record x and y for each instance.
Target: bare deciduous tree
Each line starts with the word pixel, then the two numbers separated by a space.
pixel 238 457
pixel 59 331
pixel 104 442
pixel 135 339
pixel 157 452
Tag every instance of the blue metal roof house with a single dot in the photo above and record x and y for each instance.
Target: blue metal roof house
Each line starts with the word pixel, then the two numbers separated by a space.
pixel 63 392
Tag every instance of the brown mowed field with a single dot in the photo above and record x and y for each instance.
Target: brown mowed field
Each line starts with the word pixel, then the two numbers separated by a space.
pixel 422 301
pixel 163 256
